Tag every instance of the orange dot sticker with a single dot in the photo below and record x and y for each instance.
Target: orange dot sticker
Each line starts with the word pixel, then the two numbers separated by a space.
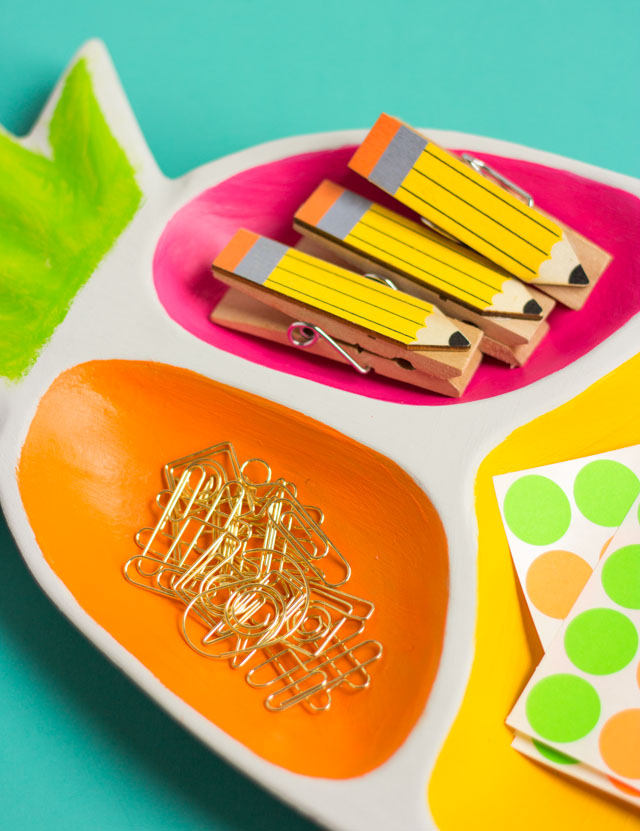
pixel 620 743
pixel 554 581
pixel 623 787
pixel 604 548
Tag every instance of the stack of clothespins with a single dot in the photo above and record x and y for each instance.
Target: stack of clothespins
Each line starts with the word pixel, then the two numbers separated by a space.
pixel 476 271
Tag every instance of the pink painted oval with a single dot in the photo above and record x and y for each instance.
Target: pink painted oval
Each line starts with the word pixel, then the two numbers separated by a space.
pixel 264 200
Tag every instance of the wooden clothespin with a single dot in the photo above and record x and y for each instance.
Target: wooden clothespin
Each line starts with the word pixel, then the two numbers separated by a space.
pixel 488 216
pixel 244 313
pixel 413 253
pixel 361 321
pixel 465 286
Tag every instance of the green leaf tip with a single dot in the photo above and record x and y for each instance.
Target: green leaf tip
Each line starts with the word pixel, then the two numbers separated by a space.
pixel 59 216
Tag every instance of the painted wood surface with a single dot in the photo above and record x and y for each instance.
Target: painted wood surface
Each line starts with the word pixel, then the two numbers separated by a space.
pixel 118 315
pixel 466 204
pixel 202 227
pixel 107 428
pixel 60 213
pixel 498 782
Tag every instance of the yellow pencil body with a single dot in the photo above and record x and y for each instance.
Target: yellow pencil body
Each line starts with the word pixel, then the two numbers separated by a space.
pixel 477 211
pixel 338 293
pixel 386 238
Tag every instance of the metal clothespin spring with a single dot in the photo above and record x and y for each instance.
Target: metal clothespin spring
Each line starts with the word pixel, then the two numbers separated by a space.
pixel 306 334
pixel 387 281
pixel 486 170
pixel 439 230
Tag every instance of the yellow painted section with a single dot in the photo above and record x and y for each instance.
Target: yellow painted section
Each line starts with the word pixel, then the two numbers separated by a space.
pixel 406 246
pixel 479 781
pixel 480 213
pixel 350 296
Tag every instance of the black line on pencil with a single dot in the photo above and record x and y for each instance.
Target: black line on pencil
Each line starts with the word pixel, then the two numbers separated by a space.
pixel 430 256
pixel 340 309
pixel 346 294
pixel 450 244
pixel 374 259
pixel 375 287
pixel 436 278
pixel 440 211
pixel 475 208
pixel 484 187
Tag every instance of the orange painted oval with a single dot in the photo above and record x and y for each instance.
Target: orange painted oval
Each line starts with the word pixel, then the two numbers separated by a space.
pixel 89 469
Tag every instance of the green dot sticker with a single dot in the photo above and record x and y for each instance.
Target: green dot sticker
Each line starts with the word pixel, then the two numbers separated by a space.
pixel 604 491
pixel 563 708
pixel 601 641
pixel 554 755
pixel 537 510
pixel 621 576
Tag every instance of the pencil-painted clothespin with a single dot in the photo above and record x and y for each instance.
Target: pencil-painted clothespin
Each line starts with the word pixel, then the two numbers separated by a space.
pixel 368 323
pixel 471 207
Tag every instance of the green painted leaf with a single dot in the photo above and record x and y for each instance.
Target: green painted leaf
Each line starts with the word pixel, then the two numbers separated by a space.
pixel 58 218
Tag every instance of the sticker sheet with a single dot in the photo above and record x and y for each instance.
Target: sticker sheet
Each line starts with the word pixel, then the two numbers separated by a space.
pixel 584 698
pixel 572 768
pixel 559 519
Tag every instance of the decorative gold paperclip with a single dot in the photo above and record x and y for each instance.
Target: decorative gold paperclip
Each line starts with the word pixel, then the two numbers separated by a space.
pixel 257 578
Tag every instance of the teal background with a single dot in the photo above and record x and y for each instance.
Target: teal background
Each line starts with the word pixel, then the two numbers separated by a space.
pixel 80 747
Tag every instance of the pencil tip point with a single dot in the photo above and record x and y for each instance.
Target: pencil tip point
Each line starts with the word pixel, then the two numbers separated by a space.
pixel 532 307
pixel 459 340
pixel 578 277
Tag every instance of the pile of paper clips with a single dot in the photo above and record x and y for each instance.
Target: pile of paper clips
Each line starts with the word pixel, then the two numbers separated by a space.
pixel 257 578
